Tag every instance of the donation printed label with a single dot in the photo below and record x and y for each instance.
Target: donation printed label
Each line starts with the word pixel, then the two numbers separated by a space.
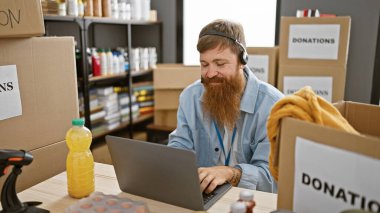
pixel 9 93
pixel 329 179
pixel 322 86
pixel 314 41
pixel 259 65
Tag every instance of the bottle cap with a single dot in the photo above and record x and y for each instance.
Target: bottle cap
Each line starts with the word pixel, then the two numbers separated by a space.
pixel 77 122
pixel 238 207
pixel 246 195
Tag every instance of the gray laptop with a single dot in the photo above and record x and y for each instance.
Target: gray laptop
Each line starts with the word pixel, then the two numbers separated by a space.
pixel 160 173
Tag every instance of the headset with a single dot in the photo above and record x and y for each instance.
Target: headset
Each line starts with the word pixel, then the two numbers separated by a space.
pixel 243 57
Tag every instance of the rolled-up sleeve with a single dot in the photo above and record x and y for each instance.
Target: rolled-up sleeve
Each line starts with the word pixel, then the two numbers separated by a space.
pixel 255 175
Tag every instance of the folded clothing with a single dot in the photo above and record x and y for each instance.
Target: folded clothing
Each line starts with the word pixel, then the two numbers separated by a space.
pixel 304 105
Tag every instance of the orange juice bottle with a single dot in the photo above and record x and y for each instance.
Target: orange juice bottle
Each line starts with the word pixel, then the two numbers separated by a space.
pixel 79 162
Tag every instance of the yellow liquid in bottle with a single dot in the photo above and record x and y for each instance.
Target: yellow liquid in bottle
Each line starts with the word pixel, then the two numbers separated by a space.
pixel 79 162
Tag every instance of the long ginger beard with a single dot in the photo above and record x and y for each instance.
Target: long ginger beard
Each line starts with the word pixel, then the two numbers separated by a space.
pixel 222 101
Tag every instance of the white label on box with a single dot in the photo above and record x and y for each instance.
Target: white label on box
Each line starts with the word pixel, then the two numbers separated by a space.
pixel 322 86
pixel 328 179
pixel 9 93
pixel 259 64
pixel 314 41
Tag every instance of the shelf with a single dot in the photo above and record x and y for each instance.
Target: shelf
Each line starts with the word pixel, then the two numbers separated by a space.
pixel 107 77
pixel 59 18
pixel 102 79
pixel 99 20
pixel 142 118
pixel 87 30
pixel 124 125
pixel 142 72
pixel 105 20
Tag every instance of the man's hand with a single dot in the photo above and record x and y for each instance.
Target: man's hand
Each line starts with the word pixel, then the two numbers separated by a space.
pixel 211 177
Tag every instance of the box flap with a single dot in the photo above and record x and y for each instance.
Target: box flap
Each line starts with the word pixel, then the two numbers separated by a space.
pixel 365 118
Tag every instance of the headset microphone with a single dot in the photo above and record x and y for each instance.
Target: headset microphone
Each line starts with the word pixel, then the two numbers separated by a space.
pixel 243 56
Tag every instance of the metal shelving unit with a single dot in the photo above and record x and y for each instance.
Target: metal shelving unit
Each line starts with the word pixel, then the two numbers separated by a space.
pixel 86 82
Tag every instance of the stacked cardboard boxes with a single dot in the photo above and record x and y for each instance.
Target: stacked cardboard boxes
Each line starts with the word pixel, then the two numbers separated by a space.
pixel 263 62
pixel 327 170
pixel 40 97
pixel 169 81
pixel 313 51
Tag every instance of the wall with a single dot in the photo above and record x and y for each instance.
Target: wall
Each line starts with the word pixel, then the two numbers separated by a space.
pixel 363 68
pixel 167 14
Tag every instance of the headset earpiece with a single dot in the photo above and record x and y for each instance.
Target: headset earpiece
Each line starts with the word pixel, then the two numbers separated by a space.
pixel 243 56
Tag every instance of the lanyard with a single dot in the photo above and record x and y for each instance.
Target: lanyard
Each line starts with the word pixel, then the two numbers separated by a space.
pixel 227 157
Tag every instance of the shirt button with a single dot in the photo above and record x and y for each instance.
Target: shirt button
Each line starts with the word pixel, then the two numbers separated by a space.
pixel 216 149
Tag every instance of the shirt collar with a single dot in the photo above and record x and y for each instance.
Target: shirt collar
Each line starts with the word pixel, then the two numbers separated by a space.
pixel 248 100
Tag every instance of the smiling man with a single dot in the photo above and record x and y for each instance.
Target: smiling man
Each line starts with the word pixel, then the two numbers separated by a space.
pixel 223 117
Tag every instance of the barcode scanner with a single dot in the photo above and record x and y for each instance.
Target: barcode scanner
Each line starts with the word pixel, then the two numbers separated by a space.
pixel 9 199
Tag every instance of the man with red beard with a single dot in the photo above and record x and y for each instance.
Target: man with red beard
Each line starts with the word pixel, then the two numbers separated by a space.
pixel 223 117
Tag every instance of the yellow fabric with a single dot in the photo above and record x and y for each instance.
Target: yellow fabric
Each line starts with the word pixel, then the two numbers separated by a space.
pixel 304 105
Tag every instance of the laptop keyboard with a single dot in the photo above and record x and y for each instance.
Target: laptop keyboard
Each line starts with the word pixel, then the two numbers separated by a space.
pixel 208 197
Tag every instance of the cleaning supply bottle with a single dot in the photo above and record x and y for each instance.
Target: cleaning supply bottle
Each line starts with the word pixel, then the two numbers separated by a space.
pixel 80 162
pixel 238 207
pixel 246 197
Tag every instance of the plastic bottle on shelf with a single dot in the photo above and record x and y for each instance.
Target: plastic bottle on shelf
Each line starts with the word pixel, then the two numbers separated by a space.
pixel 110 62
pixel 246 197
pixel 80 8
pixel 128 11
pixel 238 207
pixel 62 9
pixel 115 9
pixel 79 162
pixel 72 7
pixel 97 6
pixel 136 10
pixel 152 58
pixel 145 10
pixel 121 62
pixel 103 62
pixel 106 8
pixel 115 62
pixel 95 63
pixel 88 8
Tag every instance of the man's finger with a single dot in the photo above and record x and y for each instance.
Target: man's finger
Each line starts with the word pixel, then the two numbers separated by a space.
pixel 202 173
pixel 206 181
pixel 215 182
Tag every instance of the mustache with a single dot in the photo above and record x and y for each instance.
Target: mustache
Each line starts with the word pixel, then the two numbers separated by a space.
pixel 212 80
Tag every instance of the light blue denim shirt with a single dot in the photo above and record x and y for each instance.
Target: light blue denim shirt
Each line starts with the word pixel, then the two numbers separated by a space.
pixel 196 131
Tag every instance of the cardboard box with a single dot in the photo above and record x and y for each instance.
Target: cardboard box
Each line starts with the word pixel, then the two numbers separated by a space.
pixel 175 76
pixel 21 18
pixel 165 118
pixel 335 182
pixel 314 41
pixel 47 83
pixel 263 62
pixel 166 98
pixel 328 82
pixel 42 167
pixel 311 48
